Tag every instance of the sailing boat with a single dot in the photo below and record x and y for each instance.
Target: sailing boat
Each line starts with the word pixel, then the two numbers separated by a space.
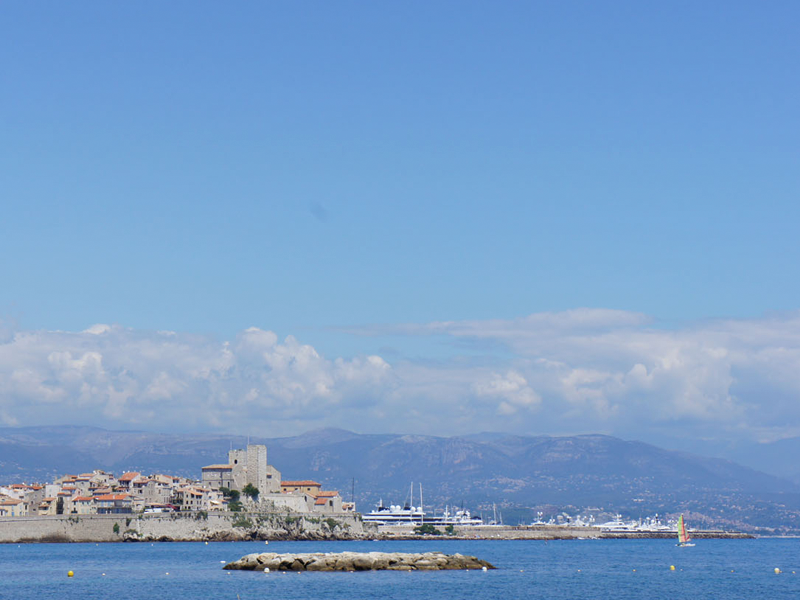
pixel 684 541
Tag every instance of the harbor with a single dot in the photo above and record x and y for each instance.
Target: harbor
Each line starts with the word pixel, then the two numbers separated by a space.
pixel 407 521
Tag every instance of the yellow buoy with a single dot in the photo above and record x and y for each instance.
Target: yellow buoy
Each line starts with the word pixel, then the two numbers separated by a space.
pixel 206 543
pixel 672 567
pixel 70 573
pixel 777 571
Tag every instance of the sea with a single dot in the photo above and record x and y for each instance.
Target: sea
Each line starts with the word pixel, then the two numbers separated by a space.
pixel 726 569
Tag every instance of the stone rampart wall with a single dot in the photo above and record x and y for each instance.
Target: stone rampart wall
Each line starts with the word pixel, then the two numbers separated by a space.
pixel 178 527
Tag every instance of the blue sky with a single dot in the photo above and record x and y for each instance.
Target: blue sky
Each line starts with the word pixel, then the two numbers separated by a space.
pixel 348 172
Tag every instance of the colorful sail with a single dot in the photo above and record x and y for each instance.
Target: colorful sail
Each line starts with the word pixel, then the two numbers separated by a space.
pixel 683 537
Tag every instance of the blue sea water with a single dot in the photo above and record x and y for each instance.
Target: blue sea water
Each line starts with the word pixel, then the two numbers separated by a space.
pixel 729 569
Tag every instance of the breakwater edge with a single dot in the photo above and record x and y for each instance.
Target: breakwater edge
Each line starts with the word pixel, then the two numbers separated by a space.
pixel 358 561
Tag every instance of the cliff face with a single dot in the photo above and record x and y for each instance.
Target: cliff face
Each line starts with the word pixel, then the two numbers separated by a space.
pixel 179 528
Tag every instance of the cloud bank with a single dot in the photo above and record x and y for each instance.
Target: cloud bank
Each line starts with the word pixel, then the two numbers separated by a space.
pixel 110 375
pixel 583 370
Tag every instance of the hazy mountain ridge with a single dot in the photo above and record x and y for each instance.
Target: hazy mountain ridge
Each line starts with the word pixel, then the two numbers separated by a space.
pixel 512 470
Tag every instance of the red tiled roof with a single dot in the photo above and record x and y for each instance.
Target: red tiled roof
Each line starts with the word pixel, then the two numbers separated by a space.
pixel 327 494
pixel 304 483
pixel 105 497
pixel 218 467
pixel 129 476
pixel 320 501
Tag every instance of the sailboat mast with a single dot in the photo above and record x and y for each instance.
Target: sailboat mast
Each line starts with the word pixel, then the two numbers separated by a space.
pixel 411 514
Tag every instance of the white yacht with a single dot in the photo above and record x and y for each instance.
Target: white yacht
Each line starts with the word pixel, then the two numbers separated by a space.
pixel 456 517
pixel 619 525
pixel 394 514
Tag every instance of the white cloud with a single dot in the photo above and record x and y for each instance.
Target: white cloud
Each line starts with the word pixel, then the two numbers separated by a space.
pixel 578 371
pixel 614 371
pixel 511 389
pixel 116 376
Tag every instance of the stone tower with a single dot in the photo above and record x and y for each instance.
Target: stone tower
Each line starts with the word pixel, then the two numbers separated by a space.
pixel 238 460
pixel 257 467
pixel 250 466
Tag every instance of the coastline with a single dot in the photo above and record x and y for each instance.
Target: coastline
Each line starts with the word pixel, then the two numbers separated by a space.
pixel 219 527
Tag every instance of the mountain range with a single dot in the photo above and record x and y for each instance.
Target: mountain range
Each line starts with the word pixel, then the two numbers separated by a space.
pixel 519 473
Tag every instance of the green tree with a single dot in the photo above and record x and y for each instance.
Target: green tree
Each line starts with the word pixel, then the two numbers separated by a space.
pixel 235 506
pixel 250 491
pixel 232 495
pixel 426 529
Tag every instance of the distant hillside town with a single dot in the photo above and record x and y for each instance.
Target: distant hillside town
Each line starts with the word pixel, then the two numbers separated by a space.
pixel 246 482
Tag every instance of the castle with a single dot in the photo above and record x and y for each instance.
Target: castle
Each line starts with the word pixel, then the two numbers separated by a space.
pixel 248 466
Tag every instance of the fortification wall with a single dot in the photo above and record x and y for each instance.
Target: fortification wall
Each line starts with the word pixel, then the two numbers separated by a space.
pixel 179 527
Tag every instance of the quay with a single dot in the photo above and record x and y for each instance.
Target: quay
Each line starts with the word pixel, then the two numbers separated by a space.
pixel 547 532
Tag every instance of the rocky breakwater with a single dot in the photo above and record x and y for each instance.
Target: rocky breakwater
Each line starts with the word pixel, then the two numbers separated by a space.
pixel 357 561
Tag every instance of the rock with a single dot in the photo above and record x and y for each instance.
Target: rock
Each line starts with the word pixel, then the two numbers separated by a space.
pixel 357 561
pixel 297 565
pixel 379 561
pixel 246 563
pixel 363 562
pixel 322 563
